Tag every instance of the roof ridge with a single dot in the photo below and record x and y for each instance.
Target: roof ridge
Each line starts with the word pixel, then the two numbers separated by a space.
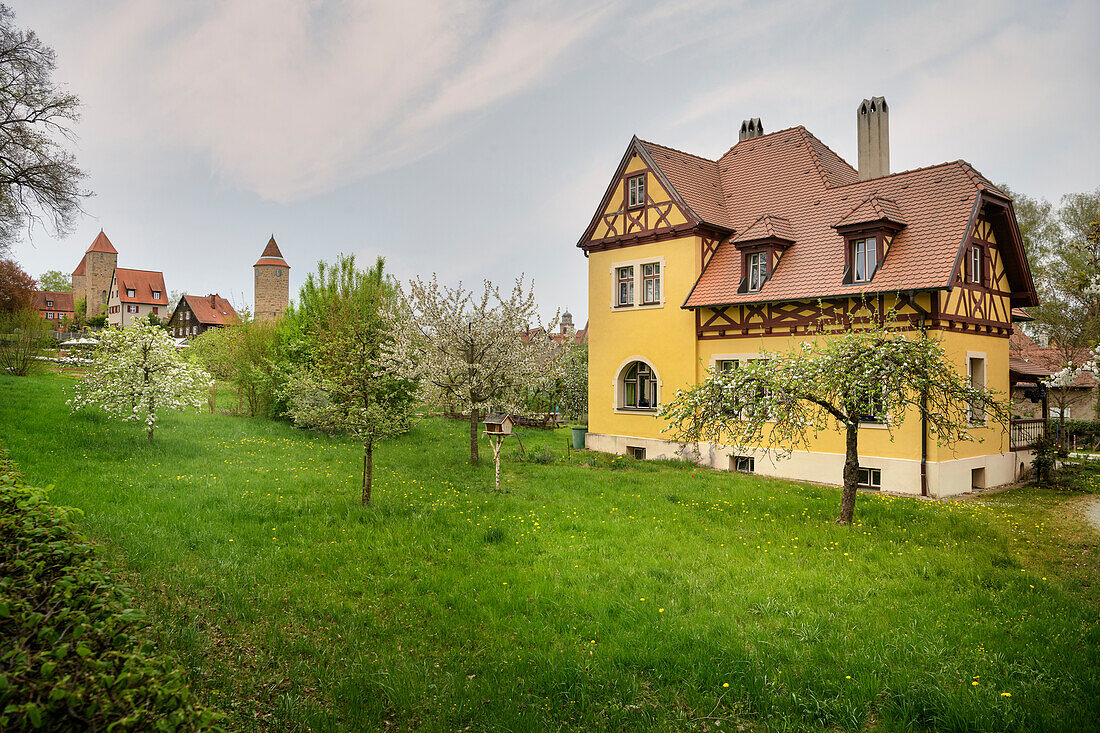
pixel 135 269
pixel 945 164
pixel 676 150
pixel 761 137
pixel 814 156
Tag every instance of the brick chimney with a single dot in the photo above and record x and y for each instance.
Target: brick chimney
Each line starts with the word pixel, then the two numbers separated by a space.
pixel 750 128
pixel 873 135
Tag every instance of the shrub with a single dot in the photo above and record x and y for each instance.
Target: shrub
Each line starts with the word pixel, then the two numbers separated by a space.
pixel 75 656
pixel 1045 458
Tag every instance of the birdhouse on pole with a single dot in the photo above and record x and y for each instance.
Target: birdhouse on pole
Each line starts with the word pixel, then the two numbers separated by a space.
pixel 498 423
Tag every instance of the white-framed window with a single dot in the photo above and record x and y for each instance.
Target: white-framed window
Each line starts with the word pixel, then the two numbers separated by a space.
pixel 636 190
pixel 129 292
pixel 49 317
pixel 639 387
pixel 49 304
pixel 651 283
pixel 875 413
pixel 624 276
pixel 156 295
pixel 975 369
pixel 870 478
pixel 131 309
pixel 975 270
pixel 864 259
pixel 758 270
pixel 743 464
pixel 1057 413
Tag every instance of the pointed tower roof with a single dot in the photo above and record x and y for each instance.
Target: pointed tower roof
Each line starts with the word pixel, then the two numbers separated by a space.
pixel 102 244
pixel 271 255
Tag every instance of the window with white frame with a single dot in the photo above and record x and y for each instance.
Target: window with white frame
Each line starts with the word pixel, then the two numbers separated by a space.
pixel 49 304
pixel 636 190
pixel 872 406
pixel 131 309
pixel 743 464
pixel 49 317
pixel 156 295
pixel 625 279
pixel 864 259
pixel 651 283
pixel 758 270
pixel 129 292
pixel 975 270
pixel 975 366
pixel 1057 413
pixel 639 387
pixel 870 478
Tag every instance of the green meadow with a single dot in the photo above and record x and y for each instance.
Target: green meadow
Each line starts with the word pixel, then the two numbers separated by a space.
pixel 596 593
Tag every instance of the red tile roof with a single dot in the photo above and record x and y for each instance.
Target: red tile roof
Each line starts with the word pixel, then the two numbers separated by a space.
pixel 212 310
pixel 791 175
pixel 80 268
pixel 767 227
pixel 271 255
pixel 143 283
pixel 62 301
pixel 695 179
pixel 102 244
pixel 1028 357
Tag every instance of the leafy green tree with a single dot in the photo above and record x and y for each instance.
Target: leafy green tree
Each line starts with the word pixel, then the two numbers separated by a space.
pixel 39 179
pixel 784 401
pixel 352 383
pixel 55 281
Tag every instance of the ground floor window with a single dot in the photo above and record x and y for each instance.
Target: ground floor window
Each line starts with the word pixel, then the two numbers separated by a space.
pixel 639 387
pixel 636 452
pixel 870 478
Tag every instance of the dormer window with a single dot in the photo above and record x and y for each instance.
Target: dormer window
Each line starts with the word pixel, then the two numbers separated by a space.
pixel 864 259
pixel 758 270
pixel 129 292
pixel 636 191
pixel 49 304
pixel 156 295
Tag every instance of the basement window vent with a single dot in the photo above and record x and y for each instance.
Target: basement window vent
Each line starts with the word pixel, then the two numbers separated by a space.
pixel 743 464
pixel 870 478
pixel 638 453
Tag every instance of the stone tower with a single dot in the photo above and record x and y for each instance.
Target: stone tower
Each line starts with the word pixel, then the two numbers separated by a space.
pixel 272 283
pixel 92 277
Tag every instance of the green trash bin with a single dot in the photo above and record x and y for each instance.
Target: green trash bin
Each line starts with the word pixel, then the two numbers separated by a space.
pixel 578 437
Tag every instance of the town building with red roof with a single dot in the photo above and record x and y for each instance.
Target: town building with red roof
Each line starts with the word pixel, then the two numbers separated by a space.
pixel 195 314
pixel 134 295
pixel 1039 359
pixel 92 276
pixel 54 306
pixel 697 263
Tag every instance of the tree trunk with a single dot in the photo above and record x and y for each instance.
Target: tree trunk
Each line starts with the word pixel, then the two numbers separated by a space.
pixel 474 457
pixel 851 474
pixel 368 470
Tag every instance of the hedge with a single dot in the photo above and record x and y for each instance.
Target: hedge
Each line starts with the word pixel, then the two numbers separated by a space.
pixel 73 654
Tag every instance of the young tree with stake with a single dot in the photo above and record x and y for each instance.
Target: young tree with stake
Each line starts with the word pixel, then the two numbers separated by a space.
pixel 851 374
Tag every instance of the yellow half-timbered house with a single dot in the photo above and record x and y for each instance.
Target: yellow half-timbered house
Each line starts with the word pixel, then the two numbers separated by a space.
pixel 696 262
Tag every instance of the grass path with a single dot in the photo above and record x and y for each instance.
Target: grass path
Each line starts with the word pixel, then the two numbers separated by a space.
pixel 597 593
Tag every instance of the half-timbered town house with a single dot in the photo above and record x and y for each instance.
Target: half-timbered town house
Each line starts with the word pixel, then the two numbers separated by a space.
pixel 697 263
pixel 195 314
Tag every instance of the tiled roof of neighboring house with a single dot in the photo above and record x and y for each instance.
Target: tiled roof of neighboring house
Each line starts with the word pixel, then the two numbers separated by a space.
pixel 271 255
pixel 102 244
pixel 872 209
pixel 62 301
pixel 143 283
pixel 1044 361
pixel 212 310
pixel 577 337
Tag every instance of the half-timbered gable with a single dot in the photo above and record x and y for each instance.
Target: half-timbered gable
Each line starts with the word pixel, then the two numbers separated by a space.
pixel 695 263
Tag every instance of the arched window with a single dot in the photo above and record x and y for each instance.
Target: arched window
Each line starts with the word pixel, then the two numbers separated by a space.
pixel 639 387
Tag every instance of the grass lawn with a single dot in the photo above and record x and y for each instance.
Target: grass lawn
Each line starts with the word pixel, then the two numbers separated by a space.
pixel 598 593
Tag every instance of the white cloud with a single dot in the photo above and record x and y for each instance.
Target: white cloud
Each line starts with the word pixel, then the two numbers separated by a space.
pixel 292 98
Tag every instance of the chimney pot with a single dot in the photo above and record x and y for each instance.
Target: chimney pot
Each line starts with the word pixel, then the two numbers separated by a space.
pixel 750 128
pixel 873 137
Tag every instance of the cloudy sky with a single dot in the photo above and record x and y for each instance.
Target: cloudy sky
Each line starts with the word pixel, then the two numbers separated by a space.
pixel 475 139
